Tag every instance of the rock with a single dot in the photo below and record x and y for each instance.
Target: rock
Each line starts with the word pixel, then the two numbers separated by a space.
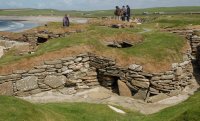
pixel 6 88
pixel 85 59
pixel 145 74
pixel 155 78
pixel 46 36
pixel 174 65
pixel 91 73
pixel 141 94
pixel 36 91
pixel 10 77
pixel 153 91
pixel 157 98
pixel 55 81
pixel 44 66
pixel 53 62
pixel 68 63
pixel 67 59
pixel 167 77
pixel 28 83
pixel 67 71
pixel 184 63
pixel 58 66
pixel 99 95
pixel 36 71
pixel 124 89
pixel 78 59
pixel 19 71
pixel 68 91
pixel 135 67
pixel 1 51
pixel 140 84
pixel 71 82
pixel 179 71
pixel 82 86
pixel 174 93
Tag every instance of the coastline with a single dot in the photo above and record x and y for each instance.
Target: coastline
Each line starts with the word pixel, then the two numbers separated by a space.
pixel 42 19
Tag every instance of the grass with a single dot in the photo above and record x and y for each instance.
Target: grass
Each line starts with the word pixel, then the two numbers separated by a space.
pixel 13 109
pixel 97 13
pixel 157 47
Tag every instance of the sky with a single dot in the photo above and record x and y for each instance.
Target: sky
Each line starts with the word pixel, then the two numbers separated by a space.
pixel 93 4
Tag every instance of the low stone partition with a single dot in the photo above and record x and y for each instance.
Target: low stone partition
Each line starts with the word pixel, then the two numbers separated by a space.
pixel 72 74
pixel 67 75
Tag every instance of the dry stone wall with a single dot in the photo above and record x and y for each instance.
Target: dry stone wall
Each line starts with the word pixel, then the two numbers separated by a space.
pixel 72 74
pixel 67 75
pixel 142 84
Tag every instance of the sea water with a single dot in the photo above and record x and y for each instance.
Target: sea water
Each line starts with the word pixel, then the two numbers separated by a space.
pixel 16 26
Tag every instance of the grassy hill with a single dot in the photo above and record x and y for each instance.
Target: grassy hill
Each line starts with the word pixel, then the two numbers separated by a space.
pixel 13 109
pixel 97 13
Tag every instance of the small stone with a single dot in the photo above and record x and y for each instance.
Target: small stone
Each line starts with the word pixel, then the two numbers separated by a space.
pixel 53 62
pixel 85 59
pixel 68 91
pixel 55 81
pixel 67 71
pixel 174 65
pixel 68 63
pixel 28 83
pixel 179 71
pixel 167 77
pixel 19 71
pixel 124 89
pixel 78 59
pixel 155 78
pixel 58 66
pixel 135 67
pixel 6 89
pixel 140 84
pixel 157 98
pixel 36 71
pixel 67 59
pixel 141 94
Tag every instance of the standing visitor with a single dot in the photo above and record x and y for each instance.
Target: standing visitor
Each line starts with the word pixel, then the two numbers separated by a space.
pixel 117 13
pixel 123 12
pixel 128 13
pixel 66 21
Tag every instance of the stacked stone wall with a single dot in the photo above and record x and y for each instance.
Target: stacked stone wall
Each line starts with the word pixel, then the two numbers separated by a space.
pixel 67 75
pixel 143 84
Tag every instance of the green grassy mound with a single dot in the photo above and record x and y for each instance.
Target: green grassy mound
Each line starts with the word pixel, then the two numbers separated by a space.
pixel 13 109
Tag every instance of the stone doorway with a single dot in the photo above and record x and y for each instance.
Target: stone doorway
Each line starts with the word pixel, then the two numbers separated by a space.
pixel 41 40
pixel 109 82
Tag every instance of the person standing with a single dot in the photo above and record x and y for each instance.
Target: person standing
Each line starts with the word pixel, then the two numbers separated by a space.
pixel 123 13
pixel 128 13
pixel 66 21
pixel 117 13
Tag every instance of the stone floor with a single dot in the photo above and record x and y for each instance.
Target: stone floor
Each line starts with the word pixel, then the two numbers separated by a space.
pixel 101 95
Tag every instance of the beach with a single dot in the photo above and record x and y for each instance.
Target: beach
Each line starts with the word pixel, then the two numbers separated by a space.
pixel 21 23
pixel 42 19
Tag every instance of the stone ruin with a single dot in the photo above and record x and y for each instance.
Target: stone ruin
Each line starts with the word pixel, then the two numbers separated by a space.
pixel 73 74
pixel 85 71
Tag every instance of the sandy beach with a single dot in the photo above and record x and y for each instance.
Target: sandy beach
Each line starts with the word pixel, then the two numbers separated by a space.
pixel 42 19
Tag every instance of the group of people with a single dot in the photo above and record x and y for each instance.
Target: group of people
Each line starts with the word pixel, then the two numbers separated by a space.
pixel 123 13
